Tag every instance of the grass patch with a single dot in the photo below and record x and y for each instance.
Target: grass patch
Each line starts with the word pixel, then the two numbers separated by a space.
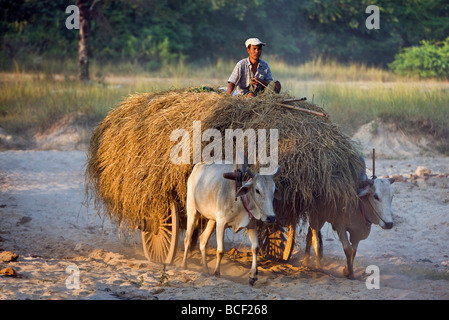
pixel 318 69
pixel 352 94
pixel 413 106
pixel 37 101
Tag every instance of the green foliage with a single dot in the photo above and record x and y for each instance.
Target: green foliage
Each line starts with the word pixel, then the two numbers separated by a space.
pixel 429 60
pixel 153 33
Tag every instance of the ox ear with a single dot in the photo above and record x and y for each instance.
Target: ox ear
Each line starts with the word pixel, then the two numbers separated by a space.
pixel 244 189
pixel 391 180
pixel 277 194
pixel 366 191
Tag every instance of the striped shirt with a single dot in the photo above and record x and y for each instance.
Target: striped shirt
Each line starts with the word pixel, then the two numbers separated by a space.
pixel 243 72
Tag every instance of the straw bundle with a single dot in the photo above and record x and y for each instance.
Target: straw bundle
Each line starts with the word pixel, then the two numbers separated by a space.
pixel 131 176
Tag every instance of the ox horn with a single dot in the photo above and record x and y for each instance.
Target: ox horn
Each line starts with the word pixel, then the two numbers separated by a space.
pixel 230 175
pixel 237 174
pixel 245 164
pixel 276 171
pixel 239 155
pixel 236 166
pixel 250 172
pixel 374 164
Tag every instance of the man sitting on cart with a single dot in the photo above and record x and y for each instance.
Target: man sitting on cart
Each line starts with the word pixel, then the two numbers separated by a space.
pixel 252 75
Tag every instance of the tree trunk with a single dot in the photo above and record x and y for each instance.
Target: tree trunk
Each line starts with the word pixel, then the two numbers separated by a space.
pixel 83 40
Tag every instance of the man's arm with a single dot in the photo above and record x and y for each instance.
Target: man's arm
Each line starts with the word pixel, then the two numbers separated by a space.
pixel 235 77
pixel 266 78
pixel 231 88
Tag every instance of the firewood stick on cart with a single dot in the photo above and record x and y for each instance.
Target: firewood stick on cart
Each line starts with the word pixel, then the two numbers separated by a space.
pixel 263 85
pixel 321 114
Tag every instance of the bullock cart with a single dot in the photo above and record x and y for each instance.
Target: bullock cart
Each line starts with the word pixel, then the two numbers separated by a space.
pixel 141 155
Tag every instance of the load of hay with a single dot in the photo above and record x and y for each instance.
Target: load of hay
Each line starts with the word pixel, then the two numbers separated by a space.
pixel 131 176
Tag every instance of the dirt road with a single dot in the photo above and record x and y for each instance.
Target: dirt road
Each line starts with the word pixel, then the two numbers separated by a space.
pixel 44 221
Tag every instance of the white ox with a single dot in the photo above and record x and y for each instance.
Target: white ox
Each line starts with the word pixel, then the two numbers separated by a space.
pixel 374 207
pixel 215 198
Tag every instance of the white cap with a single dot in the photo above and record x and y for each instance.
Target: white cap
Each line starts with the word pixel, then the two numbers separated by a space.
pixel 254 42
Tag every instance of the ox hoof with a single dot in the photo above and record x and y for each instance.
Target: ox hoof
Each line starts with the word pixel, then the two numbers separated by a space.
pixel 306 261
pixel 252 281
pixel 347 274
pixel 350 277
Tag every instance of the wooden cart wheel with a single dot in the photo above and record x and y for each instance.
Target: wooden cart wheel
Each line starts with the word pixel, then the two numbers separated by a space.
pixel 160 236
pixel 277 242
pixel 290 243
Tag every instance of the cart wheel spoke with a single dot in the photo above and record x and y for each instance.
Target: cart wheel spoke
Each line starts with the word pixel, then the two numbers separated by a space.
pixel 160 239
pixel 277 242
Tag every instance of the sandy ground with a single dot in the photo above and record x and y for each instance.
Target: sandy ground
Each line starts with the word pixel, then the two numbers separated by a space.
pixel 43 219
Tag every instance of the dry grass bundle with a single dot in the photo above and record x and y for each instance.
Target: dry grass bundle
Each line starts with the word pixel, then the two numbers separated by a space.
pixel 131 176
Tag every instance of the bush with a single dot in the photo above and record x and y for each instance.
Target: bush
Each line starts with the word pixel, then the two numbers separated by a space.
pixel 430 60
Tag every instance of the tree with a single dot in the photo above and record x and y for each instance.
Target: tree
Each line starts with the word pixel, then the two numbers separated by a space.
pixel 86 14
pixel 429 60
pixel 155 33
pixel 83 40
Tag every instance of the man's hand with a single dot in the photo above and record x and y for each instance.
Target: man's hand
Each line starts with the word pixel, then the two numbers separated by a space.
pixel 259 82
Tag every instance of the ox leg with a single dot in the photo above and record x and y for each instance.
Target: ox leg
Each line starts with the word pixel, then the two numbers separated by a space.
pixel 204 238
pixel 305 262
pixel 316 247
pixel 354 251
pixel 355 244
pixel 348 271
pixel 313 238
pixel 220 240
pixel 192 221
pixel 253 274
pixel 320 244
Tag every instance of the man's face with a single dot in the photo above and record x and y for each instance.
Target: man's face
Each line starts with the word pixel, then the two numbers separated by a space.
pixel 254 51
